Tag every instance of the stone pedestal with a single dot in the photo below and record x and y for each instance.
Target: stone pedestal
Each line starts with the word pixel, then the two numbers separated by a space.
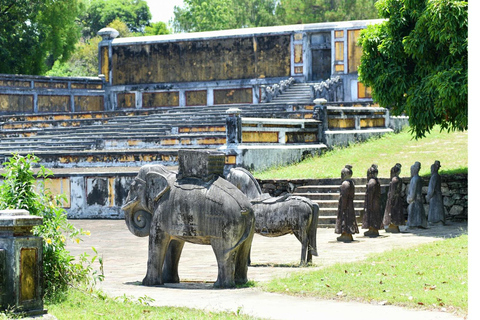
pixel 21 263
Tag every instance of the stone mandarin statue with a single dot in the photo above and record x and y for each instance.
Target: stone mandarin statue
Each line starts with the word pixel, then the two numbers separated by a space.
pixel 416 211
pixel 436 211
pixel 394 215
pixel 372 219
pixel 346 223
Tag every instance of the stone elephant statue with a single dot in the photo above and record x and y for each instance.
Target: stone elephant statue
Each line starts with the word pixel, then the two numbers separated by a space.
pixel 278 216
pixel 171 211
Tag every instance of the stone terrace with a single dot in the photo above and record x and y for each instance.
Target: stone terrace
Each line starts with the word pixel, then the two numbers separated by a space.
pixel 120 138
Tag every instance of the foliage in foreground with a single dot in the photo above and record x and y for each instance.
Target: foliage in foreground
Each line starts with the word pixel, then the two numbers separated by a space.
pixel 431 276
pixel 416 62
pixel 19 191
pixel 450 148
pixel 83 305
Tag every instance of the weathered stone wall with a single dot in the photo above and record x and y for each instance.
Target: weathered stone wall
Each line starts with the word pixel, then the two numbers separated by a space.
pixel 21 94
pixel 454 190
pixel 207 60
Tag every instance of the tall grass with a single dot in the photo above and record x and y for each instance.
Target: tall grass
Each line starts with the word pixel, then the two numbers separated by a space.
pixel 451 149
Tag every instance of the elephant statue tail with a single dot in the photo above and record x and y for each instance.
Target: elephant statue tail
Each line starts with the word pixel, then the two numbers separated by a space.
pixel 312 232
pixel 249 227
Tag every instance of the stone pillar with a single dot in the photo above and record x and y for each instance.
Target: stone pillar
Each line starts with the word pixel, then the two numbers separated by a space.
pixel 320 113
pixel 105 64
pixel 21 263
pixel 234 126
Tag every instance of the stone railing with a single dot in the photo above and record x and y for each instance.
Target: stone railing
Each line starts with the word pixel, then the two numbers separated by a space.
pixel 330 89
pixel 273 91
pixel 270 131
pixel 356 117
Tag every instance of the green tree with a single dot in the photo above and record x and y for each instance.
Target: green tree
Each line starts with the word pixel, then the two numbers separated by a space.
pixel 255 13
pixel 201 15
pixel 416 62
pixel 34 34
pixel 314 11
pixel 99 13
pixel 156 28
pixel 84 60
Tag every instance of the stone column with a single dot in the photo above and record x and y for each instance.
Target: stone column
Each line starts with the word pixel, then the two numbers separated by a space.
pixel 320 111
pixel 21 263
pixel 234 126
pixel 105 64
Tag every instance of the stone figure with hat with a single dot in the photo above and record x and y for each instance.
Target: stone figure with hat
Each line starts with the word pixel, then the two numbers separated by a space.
pixel 394 215
pixel 373 216
pixel 346 223
pixel 436 211
pixel 416 211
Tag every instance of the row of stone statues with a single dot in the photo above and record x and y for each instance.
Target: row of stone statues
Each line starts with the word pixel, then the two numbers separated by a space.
pixel 394 214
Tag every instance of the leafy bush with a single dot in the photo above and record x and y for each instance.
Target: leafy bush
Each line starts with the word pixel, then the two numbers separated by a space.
pixel 19 191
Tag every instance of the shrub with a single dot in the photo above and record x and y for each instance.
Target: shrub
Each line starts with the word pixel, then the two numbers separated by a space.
pixel 23 189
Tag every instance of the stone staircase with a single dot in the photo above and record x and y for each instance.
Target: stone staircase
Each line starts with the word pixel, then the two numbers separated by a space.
pixel 296 93
pixel 327 196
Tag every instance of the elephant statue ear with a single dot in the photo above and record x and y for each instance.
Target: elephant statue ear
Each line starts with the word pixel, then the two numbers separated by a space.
pixel 156 186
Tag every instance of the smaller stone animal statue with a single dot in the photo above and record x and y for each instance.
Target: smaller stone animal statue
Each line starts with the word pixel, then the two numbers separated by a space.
pixel 416 211
pixel 276 217
pixel 172 211
pixel 394 215
pixel 436 211
pixel 373 216
pixel 346 223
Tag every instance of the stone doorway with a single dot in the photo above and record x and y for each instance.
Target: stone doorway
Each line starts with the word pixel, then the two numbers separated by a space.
pixel 320 44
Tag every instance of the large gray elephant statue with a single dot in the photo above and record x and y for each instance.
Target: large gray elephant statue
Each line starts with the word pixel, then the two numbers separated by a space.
pixel 171 211
pixel 278 216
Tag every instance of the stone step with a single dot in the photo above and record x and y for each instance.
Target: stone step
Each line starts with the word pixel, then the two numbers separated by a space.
pixel 332 196
pixel 325 212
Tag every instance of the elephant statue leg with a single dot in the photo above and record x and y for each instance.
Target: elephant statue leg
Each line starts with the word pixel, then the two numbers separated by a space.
pixel 157 249
pixel 170 266
pixel 226 260
pixel 243 260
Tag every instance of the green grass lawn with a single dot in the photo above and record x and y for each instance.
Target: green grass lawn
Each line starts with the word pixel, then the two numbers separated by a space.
pixel 431 276
pixel 83 305
pixel 451 149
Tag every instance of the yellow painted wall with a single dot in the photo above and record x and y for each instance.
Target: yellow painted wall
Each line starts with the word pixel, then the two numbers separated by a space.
pixel 202 60
pixel 160 99
pixel 51 103
pixel 259 137
pixel 58 186
pixel 341 123
pixel 370 123
pixel 126 100
pixel 196 98
pixel 88 103
pixel 229 96
pixel 16 103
